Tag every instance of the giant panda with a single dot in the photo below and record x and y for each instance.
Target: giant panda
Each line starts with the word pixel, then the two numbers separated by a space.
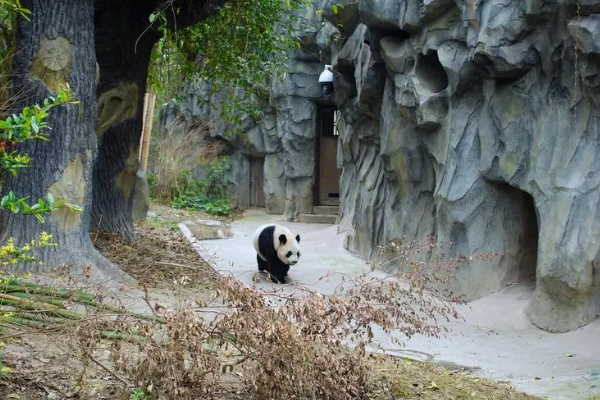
pixel 276 250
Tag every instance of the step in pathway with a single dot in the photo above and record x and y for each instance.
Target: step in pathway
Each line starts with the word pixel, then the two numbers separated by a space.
pixel 324 214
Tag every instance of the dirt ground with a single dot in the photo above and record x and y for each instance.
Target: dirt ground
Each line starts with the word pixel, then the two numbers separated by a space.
pixel 51 365
pixel 46 365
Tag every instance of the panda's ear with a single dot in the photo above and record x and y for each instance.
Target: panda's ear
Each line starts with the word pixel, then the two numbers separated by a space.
pixel 282 239
pixel 298 238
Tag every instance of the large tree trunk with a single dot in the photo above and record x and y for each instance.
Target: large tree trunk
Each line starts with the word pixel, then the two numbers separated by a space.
pixel 123 47
pixel 124 41
pixel 57 47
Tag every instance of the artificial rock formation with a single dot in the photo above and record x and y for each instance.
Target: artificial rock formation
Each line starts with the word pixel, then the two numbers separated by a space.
pixel 474 122
pixel 477 122
pixel 284 137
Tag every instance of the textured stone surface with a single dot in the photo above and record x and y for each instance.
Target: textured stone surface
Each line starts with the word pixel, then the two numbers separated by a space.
pixel 274 183
pixel 285 136
pixel 388 14
pixel 475 122
pixel 209 229
pixel 397 54
pixel 343 15
pixel 486 136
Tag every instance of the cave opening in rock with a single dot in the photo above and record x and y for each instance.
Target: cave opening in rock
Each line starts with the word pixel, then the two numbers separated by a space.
pixel 430 72
pixel 529 240
pixel 376 34
pixel 522 227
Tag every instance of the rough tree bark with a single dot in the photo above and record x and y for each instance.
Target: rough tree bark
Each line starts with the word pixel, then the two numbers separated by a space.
pixel 57 47
pixel 123 48
pixel 124 42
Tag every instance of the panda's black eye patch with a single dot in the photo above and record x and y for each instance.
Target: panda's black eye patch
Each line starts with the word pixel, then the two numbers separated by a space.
pixel 298 254
pixel 288 254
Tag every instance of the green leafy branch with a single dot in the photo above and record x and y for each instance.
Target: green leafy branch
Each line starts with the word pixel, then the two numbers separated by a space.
pixel 335 9
pixel 29 124
pixel 239 51
pixel 15 6
pixel 15 205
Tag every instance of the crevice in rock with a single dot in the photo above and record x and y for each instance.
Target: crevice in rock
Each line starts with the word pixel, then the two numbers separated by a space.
pixel 345 86
pixel 528 241
pixel 575 9
pixel 376 34
pixel 524 267
pixel 430 72
pixel 498 69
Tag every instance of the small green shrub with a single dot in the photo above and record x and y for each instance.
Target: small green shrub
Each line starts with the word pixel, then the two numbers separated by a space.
pixel 197 201
pixel 218 176
pixel 183 182
pixel 137 394
pixel 196 197
pixel 151 180
pixel 210 194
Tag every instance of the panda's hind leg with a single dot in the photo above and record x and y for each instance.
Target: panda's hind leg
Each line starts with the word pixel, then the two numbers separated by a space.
pixel 278 272
pixel 262 264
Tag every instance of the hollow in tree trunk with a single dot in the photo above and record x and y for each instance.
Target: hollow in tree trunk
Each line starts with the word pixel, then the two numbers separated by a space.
pixel 57 47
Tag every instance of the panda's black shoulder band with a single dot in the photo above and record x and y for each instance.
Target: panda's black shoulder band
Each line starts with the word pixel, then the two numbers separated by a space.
pixel 266 245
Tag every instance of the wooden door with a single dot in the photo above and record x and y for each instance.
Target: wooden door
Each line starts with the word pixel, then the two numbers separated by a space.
pixel 328 174
pixel 328 170
pixel 257 181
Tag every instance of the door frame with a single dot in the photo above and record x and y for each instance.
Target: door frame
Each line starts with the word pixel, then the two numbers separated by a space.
pixel 318 136
pixel 252 161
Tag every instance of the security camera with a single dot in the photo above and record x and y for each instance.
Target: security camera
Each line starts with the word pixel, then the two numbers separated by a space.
pixel 326 80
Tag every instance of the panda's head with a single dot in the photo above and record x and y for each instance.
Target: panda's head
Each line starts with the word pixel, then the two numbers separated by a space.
pixel 289 246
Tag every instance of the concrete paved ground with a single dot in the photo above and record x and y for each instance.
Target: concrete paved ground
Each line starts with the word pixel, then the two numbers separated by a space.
pixel 496 340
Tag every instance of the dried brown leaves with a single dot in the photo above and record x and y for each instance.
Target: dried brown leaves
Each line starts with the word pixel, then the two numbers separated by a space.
pixel 157 257
pixel 240 342
pixel 298 349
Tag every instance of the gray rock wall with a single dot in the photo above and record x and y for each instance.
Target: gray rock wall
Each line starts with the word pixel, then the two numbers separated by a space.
pixel 285 136
pixel 476 122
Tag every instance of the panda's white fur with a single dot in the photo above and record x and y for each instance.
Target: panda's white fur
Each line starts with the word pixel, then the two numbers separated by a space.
pixel 277 249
